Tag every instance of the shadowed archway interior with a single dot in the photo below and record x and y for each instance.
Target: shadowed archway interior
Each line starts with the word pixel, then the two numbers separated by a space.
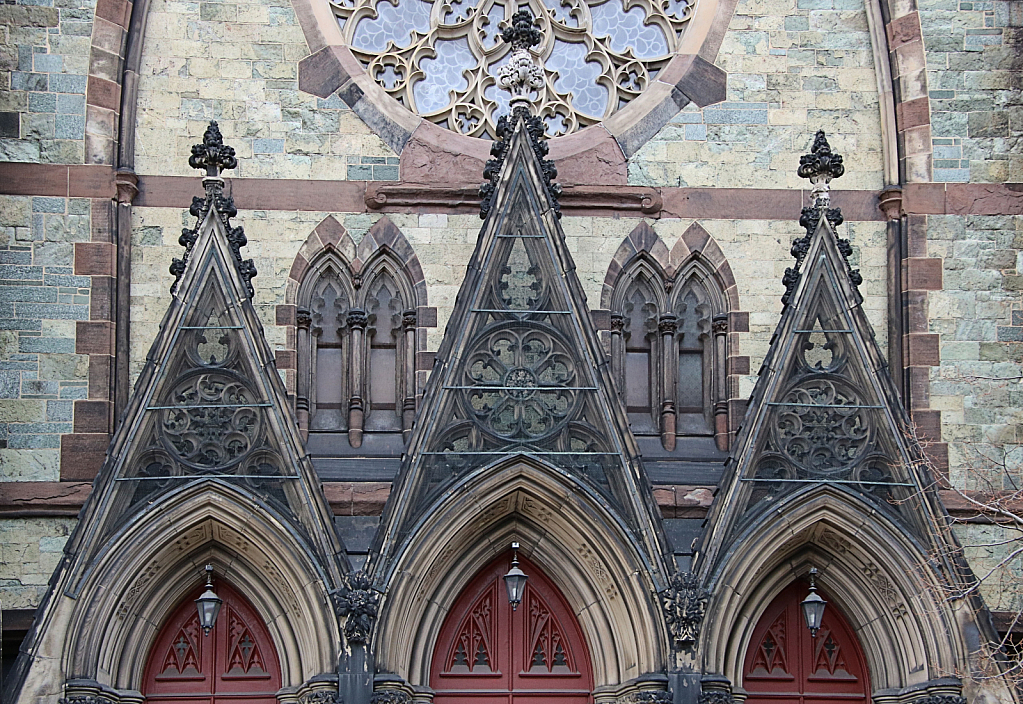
pixel 236 662
pixel 488 652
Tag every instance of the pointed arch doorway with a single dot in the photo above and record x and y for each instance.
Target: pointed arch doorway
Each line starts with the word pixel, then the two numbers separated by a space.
pixel 235 663
pixel 786 665
pixel 488 653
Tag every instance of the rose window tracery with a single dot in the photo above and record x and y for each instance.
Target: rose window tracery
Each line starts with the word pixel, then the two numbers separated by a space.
pixel 440 58
pixel 520 383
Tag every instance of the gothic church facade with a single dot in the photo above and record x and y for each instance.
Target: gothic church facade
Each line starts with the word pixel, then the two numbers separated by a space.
pixel 728 324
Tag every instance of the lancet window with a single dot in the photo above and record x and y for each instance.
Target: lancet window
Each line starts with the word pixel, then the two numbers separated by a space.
pixel 356 346
pixel 668 349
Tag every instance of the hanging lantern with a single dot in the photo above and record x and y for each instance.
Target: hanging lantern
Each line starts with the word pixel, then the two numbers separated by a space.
pixel 515 580
pixel 813 606
pixel 208 604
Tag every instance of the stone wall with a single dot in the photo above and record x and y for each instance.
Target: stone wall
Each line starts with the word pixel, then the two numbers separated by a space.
pixel 40 301
pixel 974 62
pixel 44 66
pixel 30 549
pixel 237 63
pixel 794 67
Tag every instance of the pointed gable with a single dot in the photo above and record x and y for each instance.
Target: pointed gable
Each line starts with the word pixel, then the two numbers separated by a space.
pixel 824 411
pixel 209 404
pixel 520 370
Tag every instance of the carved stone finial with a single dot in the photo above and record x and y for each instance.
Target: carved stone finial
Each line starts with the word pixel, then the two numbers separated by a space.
pixel 521 76
pixel 212 155
pixel 820 166
pixel 357 600
pixel 684 603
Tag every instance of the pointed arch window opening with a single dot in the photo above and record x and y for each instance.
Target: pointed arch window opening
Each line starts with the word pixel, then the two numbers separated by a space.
pixel 356 348
pixel 668 347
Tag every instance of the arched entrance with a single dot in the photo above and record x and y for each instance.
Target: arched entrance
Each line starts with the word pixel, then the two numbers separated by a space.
pixel 236 662
pixel 487 653
pixel 786 665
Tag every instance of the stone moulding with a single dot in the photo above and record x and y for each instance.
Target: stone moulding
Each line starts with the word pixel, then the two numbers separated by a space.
pixel 689 77
pixel 579 199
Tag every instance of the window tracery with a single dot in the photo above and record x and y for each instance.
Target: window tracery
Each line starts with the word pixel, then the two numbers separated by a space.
pixel 668 348
pixel 439 58
pixel 356 345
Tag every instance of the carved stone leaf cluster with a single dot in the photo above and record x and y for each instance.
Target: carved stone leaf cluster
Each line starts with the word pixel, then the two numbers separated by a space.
pixel 214 156
pixel 358 602
pixel 684 603
pixel 821 165
pixel 390 696
pixel 321 697
pixel 499 150
pixel 440 58
pixel 716 696
pixel 658 697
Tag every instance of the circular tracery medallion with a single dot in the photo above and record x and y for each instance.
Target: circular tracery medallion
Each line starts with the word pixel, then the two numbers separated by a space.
pixel 439 58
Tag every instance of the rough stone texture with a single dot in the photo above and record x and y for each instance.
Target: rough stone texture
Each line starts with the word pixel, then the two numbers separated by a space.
pixel 40 301
pixel 237 63
pixel 44 66
pixel 30 549
pixel 974 63
pixel 794 66
pixel 980 318
pixel 988 548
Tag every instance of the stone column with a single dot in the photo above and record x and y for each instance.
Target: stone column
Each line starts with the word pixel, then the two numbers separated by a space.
pixel 357 320
pixel 408 404
pixel 618 353
pixel 667 326
pixel 719 325
pixel 305 363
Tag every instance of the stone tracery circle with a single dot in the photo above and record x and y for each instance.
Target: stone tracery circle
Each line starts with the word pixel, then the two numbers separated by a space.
pixel 439 58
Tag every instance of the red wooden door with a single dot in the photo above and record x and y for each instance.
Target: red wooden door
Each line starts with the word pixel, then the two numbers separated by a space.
pixel 235 663
pixel 489 654
pixel 786 665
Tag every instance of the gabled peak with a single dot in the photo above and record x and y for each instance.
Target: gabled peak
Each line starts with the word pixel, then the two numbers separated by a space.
pixel 820 166
pixel 209 405
pixel 824 415
pixel 215 157
pixel 521 372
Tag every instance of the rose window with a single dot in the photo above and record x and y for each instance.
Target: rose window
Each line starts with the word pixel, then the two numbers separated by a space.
pixel 439 58
pixel 520 383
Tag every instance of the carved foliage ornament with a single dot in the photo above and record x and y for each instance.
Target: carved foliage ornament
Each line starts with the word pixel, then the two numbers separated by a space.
pixel 684 603
pixel 213 156
pixel 390 696
pixel 941 699
pixel 659 697
pixel 321 697
pixel 820 166
pixel 716 696
pixel 499 150
pixel 439 58
pixel 358 601
pixel 87 699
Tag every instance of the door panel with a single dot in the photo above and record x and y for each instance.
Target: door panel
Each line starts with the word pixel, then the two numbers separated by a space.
pixel 786 665
pixel 488 653
pixel 236 662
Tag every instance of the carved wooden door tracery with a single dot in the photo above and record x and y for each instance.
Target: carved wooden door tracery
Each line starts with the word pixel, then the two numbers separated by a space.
pixel 786 665
pixel 236 662
pixel 488 653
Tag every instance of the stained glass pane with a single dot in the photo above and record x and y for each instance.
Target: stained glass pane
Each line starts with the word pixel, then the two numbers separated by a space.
pixel 626 30
pixel 443 75
pixel 393 24
pixel 597 56
pixel 577 77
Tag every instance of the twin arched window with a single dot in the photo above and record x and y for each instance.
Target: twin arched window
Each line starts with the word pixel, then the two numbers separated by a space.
pixel 668 349
pixel 356 347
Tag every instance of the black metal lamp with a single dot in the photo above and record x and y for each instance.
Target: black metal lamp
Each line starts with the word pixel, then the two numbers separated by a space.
pixel 813 606
pixel 208 604
pixel 515 580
